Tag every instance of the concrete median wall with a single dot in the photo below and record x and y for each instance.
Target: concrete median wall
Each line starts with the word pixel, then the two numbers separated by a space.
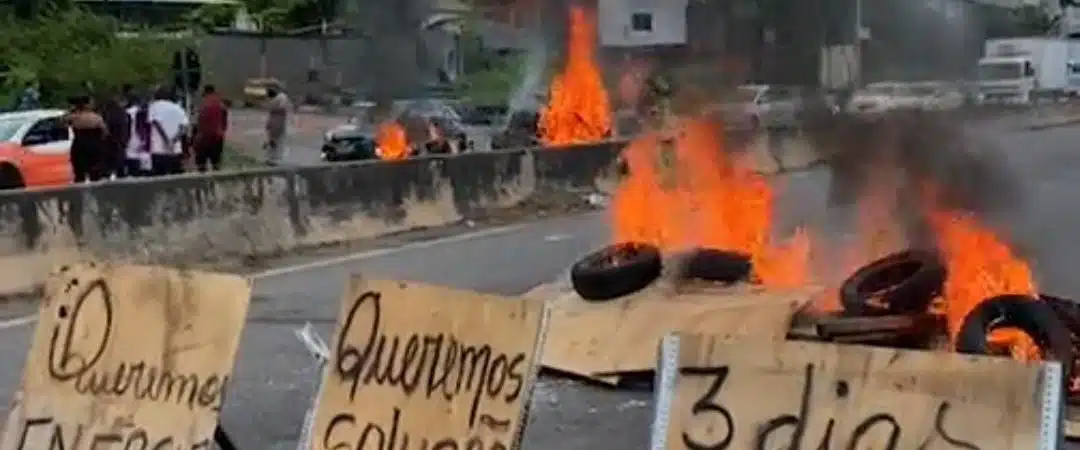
pixel 233 216
pixel 230 218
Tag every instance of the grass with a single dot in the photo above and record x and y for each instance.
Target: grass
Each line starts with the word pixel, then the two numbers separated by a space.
pixel 233 159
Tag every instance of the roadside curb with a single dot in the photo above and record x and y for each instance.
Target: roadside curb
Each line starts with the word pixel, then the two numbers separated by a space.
pixel 1053 124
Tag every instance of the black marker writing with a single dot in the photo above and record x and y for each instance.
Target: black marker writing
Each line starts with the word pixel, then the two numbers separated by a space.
pixel 344 432
pixel 709 407
pixel 133 438
pixel 137 379
pixel 441 365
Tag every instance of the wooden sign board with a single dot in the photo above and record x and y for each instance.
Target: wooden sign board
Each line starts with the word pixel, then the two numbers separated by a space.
pixel 434 367
pixel 128 357
pixel 750 394
pixel 599 341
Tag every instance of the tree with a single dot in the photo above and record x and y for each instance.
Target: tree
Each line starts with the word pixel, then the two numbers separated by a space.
pixel 65 49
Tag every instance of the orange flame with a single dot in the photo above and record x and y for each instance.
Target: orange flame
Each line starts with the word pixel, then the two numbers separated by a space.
pixel 684 192
pixel 578 109
pixel 980 266
pixel 393 145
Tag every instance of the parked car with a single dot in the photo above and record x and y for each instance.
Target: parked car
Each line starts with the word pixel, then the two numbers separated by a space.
pixel 890 96
pixel 431 126
pixel 939 95
pixel 754 107
pixel 34 149
pixel 522 129
pixel 255 90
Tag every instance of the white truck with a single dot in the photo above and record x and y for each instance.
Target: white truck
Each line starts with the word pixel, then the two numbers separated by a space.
pixel 1021 70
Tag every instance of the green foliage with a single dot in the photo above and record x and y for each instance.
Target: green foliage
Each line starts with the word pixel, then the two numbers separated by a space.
pixel 211 15
pixel 495 83
pixel 63 50
pixel 490 77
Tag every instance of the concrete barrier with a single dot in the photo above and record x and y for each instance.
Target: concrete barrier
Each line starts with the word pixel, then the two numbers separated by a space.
pixel 226 217
pixel 229 218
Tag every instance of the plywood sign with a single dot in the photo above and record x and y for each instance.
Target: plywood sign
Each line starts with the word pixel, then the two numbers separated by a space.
pixel 742 395
pixel 619 336
pixel 424 367
pixel 128 357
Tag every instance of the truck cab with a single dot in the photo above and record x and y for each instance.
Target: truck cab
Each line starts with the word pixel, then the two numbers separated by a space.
pixel 1007 79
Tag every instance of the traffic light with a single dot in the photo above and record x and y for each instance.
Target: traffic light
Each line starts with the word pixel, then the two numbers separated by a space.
pixel 187 69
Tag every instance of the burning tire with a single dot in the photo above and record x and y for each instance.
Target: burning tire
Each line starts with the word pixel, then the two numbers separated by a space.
pixel 616 270
pixel 717 265
pixel 897 283
pixel 1034 317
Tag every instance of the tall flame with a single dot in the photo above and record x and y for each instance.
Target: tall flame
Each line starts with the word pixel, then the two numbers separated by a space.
pixel 684 192
pixel 578 109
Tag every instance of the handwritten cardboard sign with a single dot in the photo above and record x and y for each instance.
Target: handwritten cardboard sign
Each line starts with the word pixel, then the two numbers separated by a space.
pixel 128 357
pixel 720 394
pixel 416 366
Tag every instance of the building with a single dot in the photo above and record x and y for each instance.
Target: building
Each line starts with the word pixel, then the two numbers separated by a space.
pixel 812 41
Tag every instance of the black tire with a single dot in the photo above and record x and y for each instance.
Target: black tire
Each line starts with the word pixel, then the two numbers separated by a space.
pixel 717 265
pixel 616 270
pixel 1034 317
pixel 10 178
pixel 902 282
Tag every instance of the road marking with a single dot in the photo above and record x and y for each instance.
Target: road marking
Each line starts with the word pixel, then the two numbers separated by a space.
pixel 557 237
pixel 17 322
pixel 330 262
pixel 360 256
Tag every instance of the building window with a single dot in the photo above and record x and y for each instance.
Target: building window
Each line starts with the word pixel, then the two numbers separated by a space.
pixel 641 22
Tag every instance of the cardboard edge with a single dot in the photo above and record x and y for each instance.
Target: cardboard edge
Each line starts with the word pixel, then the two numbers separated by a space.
pixel 534 375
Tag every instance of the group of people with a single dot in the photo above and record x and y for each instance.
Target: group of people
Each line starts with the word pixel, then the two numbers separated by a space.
pixel 128 136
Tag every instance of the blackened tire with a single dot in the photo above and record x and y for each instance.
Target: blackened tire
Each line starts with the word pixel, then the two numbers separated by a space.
pixel 717 265
pixel 902 282
pixel 615 271
pixel 1034 317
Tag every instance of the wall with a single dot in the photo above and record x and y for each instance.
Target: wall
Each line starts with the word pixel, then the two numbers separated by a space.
pixel 234 216
pixel 231 59
pixel 668 22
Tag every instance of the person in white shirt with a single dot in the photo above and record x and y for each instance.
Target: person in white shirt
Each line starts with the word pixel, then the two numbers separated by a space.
pixel 169 123
pixel 137 162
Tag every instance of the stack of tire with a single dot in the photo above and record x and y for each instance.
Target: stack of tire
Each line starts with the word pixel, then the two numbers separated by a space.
pixel 909 281
pixel 625 268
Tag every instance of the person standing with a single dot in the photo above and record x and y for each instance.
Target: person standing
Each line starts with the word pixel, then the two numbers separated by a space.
pixel 88 143
pixel 168 122
pixel 137 160
pixel 118 123
pixel 29 98
pixel 210 130
pixel 276 123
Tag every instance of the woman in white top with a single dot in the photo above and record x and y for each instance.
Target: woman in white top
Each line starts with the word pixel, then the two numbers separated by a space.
pixel 137 162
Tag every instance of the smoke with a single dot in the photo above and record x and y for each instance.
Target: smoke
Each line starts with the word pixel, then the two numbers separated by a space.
pixel 916 150
pixel 537 55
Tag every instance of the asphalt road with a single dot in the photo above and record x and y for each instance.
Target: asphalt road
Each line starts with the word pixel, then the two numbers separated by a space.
pixel 274 377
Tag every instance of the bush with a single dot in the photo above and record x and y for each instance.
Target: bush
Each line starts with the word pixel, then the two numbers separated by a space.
pixel 66 49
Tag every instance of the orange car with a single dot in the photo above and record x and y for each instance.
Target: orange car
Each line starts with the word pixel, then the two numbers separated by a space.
pixel 34 149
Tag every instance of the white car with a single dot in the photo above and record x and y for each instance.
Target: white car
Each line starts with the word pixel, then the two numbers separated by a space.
pixel 891 96
pixel 754 107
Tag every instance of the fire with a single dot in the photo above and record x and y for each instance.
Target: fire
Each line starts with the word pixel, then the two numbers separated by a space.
pixel 393 145
pixel 578 109
pixel 980 266
pixel 683 192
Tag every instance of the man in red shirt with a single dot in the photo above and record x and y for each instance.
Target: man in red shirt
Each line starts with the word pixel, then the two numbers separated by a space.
pixel 210 129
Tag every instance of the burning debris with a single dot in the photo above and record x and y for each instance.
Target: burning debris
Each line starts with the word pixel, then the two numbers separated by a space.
pixel 578 108
pixel 941 275
pixel 392 141
pixel 686 191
